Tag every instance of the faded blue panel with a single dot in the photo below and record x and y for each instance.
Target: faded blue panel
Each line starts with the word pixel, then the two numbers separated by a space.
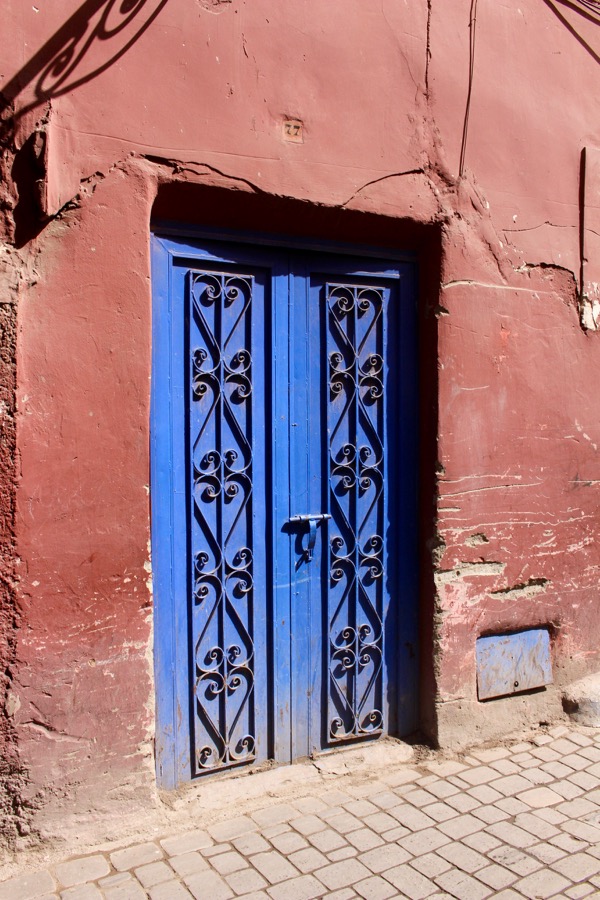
pixel 512 663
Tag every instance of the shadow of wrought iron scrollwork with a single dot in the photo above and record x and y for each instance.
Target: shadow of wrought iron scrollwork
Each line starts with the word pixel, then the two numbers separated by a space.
pixel 97 34
pixel 587 9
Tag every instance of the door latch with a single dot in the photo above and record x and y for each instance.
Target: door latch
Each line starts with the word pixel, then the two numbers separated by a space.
pixel 311 520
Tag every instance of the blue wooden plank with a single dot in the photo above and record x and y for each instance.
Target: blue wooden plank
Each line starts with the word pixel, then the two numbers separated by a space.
pixel 161 507
pixel 512 663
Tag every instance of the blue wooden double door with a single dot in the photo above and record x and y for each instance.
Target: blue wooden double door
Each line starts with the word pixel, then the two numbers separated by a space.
pixel 283 502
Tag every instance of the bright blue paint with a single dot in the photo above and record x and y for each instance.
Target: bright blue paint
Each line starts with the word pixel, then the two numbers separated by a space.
pixel 286 335
pixel 512 663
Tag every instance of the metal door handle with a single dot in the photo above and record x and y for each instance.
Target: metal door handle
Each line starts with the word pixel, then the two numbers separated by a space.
pixel 312 520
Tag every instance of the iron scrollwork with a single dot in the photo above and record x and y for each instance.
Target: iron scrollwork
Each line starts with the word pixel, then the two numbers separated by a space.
pixel 222 539
pixel 356 488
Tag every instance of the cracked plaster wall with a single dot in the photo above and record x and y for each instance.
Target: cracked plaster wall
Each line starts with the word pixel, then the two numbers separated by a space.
pixel 512 410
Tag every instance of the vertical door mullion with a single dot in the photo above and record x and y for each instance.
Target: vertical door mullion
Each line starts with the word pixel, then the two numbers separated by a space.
pixel 280 657
pixel 300 504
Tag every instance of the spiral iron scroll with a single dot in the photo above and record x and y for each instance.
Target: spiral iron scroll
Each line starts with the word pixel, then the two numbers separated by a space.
pixel 222 539
pixel 355 424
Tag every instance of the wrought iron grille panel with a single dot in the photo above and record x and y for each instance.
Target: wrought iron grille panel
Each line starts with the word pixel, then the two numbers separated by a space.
pixel 221 456
pixel 355 414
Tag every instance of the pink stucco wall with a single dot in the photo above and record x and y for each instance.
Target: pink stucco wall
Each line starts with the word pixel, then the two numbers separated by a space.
pixel 188 103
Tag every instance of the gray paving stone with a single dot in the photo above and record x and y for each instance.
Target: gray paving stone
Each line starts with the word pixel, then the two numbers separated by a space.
pixel 419 797
pixel 411 818
pixel 490 814
pixel 342 853
pixel 547 853
pixel 512 835
pixel 430 865
pixel 327 840
pixel 308 860
pixel 410 882
pixel 461 826
pixel 273 866
pixel 255 895
pixel 225 831
pixel 507 767
pixel 496 877
pixel 579 891
pixel 375 888
pixel 115 880
pixel 275 815
pixel 78 871
pixel 245 881
pixel 134 856
pixel 542 884
pixel 537 827
pixel 481 841
pixel 483 793
pixel 364 839
pixel 479 775
pixel 582 830
pixel 189 864
pixel 443 789
pixel 440 812
pixel 307 805
pixel 384 799
pixel 208 885
pixel 186 842
pixel 578 867
pixel 382 858
pixel 27 887
pixel 361 808
pixel 306 887
pixel 82 892
pixel 512 806
pixel 253 843
pixel 215 849
pixel 153 874
pixel 342 874
pixel 459 884
pixel 226 863
pixel 423 841
pixel 463 857
pixel 345 822
pixel 288 842
pixel 463 802
pixel 274 830
pixel 310 824
pixel 128 890
pixel 568 843
pixel 169 890
pixel 514 860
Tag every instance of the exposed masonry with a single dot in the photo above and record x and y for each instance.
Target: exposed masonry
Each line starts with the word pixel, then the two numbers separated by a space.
pixel 525 589
pixel 469 570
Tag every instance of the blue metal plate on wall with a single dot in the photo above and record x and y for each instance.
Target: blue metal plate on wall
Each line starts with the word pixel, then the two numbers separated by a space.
pixel 512 663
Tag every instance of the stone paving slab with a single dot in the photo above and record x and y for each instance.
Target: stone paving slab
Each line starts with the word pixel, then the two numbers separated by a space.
pixel 520 820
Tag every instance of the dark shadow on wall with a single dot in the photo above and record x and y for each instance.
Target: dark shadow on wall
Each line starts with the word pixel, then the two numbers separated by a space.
pixel 587 9
pixel 89 42
pixel 98 34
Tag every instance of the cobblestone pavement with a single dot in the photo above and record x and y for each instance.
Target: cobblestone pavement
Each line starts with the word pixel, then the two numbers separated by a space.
pixel 516 820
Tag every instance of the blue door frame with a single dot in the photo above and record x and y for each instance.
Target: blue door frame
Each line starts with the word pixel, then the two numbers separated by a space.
pixel 283 385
